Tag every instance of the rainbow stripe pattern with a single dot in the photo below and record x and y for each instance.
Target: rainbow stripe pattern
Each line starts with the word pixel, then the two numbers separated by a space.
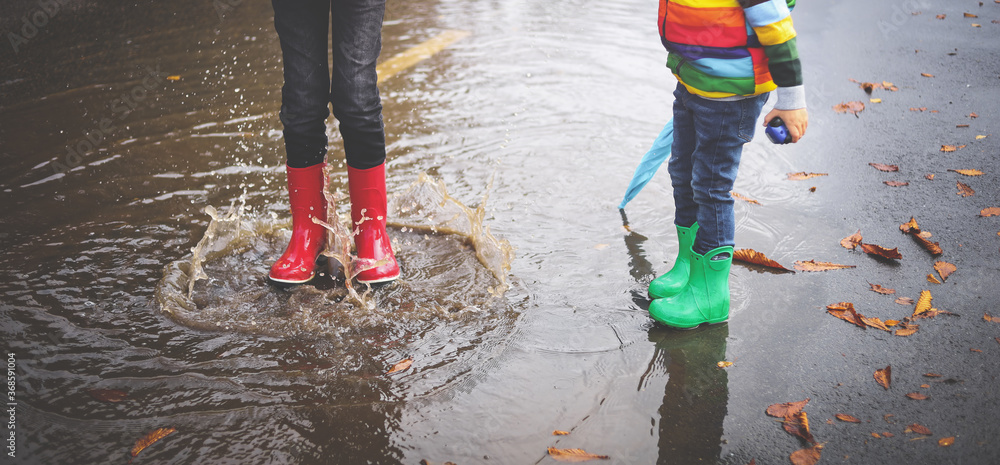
pixel 725 48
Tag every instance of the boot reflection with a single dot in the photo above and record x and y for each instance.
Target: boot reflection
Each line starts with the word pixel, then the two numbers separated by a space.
pixel 697 392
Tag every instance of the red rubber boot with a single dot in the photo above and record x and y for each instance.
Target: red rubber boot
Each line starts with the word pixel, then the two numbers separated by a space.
pixel 368 205
pixel 305 194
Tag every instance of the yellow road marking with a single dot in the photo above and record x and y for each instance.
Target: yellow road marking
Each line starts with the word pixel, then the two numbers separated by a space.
pixel 421 52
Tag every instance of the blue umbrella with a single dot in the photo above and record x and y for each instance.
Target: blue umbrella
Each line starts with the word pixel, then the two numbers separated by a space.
pixel 650 162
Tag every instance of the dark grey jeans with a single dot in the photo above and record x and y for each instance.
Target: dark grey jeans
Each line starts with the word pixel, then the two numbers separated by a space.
pixel 310 87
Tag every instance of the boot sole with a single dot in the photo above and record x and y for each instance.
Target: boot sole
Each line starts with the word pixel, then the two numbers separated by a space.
pixel 380 280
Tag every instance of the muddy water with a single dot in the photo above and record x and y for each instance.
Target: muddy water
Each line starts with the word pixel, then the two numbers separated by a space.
pixel 533 122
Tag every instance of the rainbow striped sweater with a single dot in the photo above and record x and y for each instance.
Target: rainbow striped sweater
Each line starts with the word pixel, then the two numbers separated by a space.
pixel 731 48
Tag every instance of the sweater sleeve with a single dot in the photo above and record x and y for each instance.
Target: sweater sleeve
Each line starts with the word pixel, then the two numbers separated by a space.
pixel 771 20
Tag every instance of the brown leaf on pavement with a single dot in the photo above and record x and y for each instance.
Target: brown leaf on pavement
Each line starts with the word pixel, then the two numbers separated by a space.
pixel 802 175
pixel 964 190
pixel 884 377
pixel 787 408
pixel 905 301
pixel 574 455
pixel 918 428
pixel 990 211
pixel 945 442
pixel 991 318
pixel 941 16
pixel 149 439
pixel 933 247
pixel 402 365
pixel 884 167
pixel 807 456
pixel 933 280
pixel 108 395
pixel 973 115
pixel 854 107
pixel 968 172
pixel 906 329
pixel 882 290
pixel 951 148
pixel 970 15
pixel 923 302
pixel 744 198
pixel 852 241
pixel 917 396
pixel 560 433
pixel 944 269
pixel 754 257
pixel 932 375
pixel 797 424
pixel 875 322
pixel 929 177
pixel 813 265
pixel 872 249
pixel 910 227
pixel 845 311
pixel 847 418
pixel 896 183
pixel 926 74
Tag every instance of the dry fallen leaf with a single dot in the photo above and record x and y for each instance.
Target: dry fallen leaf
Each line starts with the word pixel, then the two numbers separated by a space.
pixel 990 211
pixel 852 241
pixel 923 302
pixel 905 301
pixel 932 375
pixel 929 177
pixel 945 442
pixel 854 107
pixel 872 249
pixel 845 311
pixel 875 322
pixel 906 329
pixel 926 74
pixel 931 279
pixel 951 148
pixel 918 428
pixel 744 198
pixel 884 377
pixel 813 265
pixel 970 15
pixel 149 439
pixel 896 183
pixel 560 433
pixel 573 455
pixel 847 418
pixel 944 269
pixel 754 257
pixel 802 175
pixel 973 115
pixel 917 396
pixel 787 408
pixel 970 172
pixel 991 318
pixel 975 350
pixel 797 424
pixel 884 167
pixel 933 247
pixel 724 364
pixel 882 290
pixel 964 190
pixel 402 365
pixel 910 226
pixel 940 16
pixel 108 395
pixel 875 100
pixel 807 456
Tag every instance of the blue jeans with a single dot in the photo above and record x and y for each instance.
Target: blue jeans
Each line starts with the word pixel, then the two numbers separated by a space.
pixel 708 141
pixel 303 27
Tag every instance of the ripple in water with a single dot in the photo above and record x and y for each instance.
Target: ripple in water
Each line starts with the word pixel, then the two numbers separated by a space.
pixel 446 311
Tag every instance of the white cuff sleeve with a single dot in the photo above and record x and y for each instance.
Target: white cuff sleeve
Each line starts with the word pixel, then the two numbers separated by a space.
pixel 791 98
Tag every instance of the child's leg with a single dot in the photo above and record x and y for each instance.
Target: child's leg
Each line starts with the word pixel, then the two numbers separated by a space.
pixel 721 129
pixel 680 164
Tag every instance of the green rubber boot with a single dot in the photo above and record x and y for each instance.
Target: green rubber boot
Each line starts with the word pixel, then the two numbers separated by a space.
pixel 673 282
pixel 706 297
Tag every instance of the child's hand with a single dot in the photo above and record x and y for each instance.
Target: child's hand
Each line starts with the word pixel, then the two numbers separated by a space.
pixel 795 120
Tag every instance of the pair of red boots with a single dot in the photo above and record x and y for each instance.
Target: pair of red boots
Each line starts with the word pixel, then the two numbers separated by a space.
pixel 368 215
